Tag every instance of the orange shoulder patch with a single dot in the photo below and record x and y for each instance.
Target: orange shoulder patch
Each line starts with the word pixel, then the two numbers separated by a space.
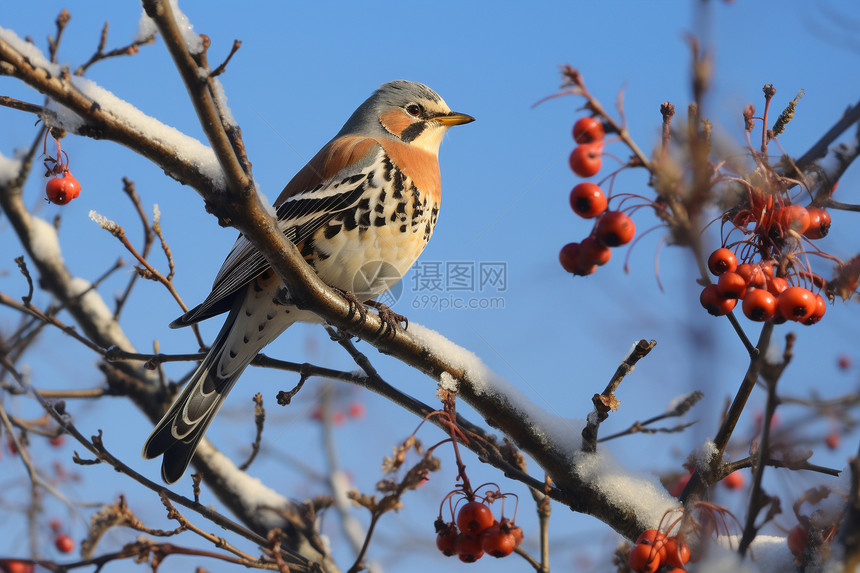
pixel 333 157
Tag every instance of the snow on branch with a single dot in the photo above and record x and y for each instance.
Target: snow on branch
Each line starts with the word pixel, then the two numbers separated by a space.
pixel 81 106
pixel 552 441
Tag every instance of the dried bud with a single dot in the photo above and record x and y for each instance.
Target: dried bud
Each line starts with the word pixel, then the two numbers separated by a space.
pixel 749 112
pixel 667 110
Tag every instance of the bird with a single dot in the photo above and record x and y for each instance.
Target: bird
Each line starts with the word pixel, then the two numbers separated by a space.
pixel 360 213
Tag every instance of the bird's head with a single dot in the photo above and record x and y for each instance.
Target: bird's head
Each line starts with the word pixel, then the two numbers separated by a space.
pixel 406 111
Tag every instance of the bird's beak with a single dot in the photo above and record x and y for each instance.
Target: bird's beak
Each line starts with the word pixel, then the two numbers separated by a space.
pixel 454 118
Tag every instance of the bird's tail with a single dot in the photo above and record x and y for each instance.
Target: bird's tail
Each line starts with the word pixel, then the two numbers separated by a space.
pixel 180 430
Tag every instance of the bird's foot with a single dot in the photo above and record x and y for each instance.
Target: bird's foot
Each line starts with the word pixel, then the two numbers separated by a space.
pixel 390 319
pixel 355 306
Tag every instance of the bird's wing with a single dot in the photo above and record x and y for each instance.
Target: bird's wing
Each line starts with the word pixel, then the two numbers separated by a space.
pixel 334 180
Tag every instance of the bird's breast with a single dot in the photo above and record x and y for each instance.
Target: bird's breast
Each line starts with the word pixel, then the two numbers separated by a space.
pixel 367 248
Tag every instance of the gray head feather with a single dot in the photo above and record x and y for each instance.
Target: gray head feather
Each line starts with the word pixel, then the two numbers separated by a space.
pixel 365 119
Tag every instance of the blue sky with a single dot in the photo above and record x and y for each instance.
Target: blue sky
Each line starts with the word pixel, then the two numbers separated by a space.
pixel 301 71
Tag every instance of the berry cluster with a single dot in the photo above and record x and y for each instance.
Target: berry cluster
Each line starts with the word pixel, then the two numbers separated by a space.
pixel 62 186
pixel 655 549
pixel 766 288
pixel 476 530
pixel 611 228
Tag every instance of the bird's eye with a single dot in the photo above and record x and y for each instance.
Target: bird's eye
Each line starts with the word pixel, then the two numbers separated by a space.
pixel 413 109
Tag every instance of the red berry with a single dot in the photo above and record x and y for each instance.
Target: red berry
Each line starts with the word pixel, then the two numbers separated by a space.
pixel 58 441
pixel 844 362
pixel 357 410
pixel 593 252
pixel 64 543
pixel 794 218
pixel 446 540
pixel 572 260
pixel 818 312
pixel 732 285
pixel 61 190
pixel 759 305
pixel 734 480
pixel 15 566
pixel 644 559
pixel 586 159
pixel 752 274
pixel 819 223
pixel 776 285
pixel 654 538
pixel 615 229
pixel 514 530
pixel 798 537
pixel 588 130
pixel 587 200
pixel 498 543
pixel 715 303
pixel 55 524
pixel 722 261
pixel 677 552
pixel 832 440
pixel 474 517
pixel 468 548
pixel 797 303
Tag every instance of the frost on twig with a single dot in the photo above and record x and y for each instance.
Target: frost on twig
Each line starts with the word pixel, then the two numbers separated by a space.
pixel 104 222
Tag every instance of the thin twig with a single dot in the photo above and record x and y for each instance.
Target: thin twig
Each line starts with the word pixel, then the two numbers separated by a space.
pixel 606 401
pixel 100 54
pixel 54 43
pixel 697 484
pixel 150 272
pixel 22 266
pixel 259 419
pixel 13 103
pixel 129 189
pixel 52 320
pixel 223 67
pixel 758 499
pixel 185 523
pixel 667 110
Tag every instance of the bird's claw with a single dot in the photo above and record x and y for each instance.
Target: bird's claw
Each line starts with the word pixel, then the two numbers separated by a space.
pixel 390 319
pixel 355 305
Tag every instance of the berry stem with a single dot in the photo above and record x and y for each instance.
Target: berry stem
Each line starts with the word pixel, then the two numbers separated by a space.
pixel 769 92
pixel 576 79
